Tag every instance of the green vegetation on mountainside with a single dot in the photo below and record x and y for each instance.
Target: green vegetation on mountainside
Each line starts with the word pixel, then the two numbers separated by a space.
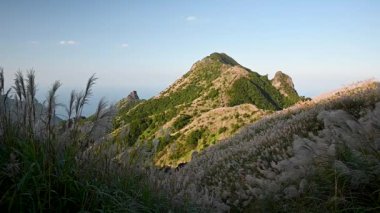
pixel 258 90
pixel 146 118
pixel 255 90
pixel 223 58
pixel 318 156
pixel 286 87
pixel 182 121
pixel 205 131
pixel 173 117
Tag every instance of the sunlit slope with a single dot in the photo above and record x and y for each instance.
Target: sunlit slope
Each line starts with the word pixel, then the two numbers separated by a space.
pixel 319 156
pixel 209 103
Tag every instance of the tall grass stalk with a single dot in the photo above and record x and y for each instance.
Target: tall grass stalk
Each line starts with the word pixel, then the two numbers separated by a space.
pixel 30 100
pixel 50 109
pixel 44 174
pixel 70 108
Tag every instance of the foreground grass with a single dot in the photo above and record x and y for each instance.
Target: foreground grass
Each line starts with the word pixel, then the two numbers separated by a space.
pixel 36 176
pixel 44 168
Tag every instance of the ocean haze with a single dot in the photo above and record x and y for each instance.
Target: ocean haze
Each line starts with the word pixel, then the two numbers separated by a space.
pixel 111 94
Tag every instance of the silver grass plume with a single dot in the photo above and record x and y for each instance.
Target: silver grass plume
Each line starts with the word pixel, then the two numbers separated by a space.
pixel 87 93
pixel 1 80
pixel 70 109
pixel 31 97
pixel 101 112
pixel 19 87
pixel 51 106
pixel 4 116
pixel 77 101
pixel 101 109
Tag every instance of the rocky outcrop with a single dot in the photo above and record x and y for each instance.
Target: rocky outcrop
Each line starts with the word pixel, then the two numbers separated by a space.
pixel 284 84
pixel 133 96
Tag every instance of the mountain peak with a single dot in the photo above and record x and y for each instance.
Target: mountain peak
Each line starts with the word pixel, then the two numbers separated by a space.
pixel 133 96
pixel 222 58
pixel 284 84
pixel 210 102
pixel 281 78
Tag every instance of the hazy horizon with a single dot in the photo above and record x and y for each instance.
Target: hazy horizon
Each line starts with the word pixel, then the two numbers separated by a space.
pixel 147 45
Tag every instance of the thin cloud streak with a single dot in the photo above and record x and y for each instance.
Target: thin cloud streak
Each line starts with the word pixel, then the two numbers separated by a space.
pixel 191 18
pixel 68 42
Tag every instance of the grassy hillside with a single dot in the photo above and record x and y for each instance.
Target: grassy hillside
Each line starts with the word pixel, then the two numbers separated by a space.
pixel 203 131
pixel 257 90
pixel 318 156
pixel 172 125
pixel 45 168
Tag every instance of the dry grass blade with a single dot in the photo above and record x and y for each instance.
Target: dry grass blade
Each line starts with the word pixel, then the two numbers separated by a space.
pixel 77 102
pixel 1 80
pixel 82 98
pixel 31 98
pixel 101 109
pixel 70 109
pixel 6 95
pixel 51 105
pixel 19 86
pixel 88 92
pixel 4 113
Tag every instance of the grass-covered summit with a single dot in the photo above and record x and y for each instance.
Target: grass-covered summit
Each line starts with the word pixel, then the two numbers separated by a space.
pixel 210 102
pixel 223 58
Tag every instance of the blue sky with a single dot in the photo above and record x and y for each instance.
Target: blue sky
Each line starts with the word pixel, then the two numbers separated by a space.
pixel 146 45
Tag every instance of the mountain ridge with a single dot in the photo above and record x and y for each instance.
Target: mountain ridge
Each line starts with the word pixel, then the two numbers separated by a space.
pixel 183 118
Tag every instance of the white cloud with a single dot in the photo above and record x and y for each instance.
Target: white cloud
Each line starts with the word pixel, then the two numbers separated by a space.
pixel 191 18
pixel 125 45
pixel 34 42
pixel 68 42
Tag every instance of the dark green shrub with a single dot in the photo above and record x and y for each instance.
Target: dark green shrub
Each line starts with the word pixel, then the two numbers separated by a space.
pixel 255 91
pixel 182 121
pixel 194 136
pixel 213 94
pixel 222 129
